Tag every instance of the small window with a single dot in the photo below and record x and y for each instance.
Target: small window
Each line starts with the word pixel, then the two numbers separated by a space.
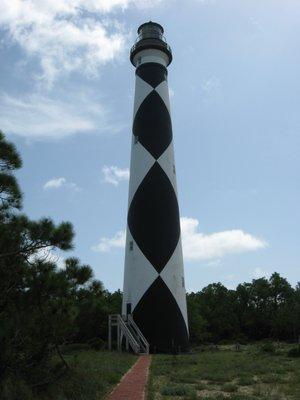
pixel 174 171
pixel 136 139
pixel 182 281
pixel 131 245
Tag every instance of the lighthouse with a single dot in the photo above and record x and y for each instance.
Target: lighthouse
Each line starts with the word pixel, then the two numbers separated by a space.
pixel 154 286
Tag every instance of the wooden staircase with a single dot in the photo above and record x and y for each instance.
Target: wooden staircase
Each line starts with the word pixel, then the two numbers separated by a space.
pixel 128 334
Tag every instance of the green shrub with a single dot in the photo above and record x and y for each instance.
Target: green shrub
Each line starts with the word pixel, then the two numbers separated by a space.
pixel 270 378
pixel 294 352
pixel 241 339
pixel 184 378
pixel 174 391
pixel 96 344
pixel 72 347
pixel 13 388
pixel 229 388
pixel 245 381
pixel 201 386
pixel 224 342
pixel 268 348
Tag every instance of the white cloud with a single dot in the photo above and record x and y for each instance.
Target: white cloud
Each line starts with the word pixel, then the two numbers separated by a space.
pixel 57 183
pixel 57 38
pixel 107 244
pixel 66 35
pixel 41 117
pixel 114 175
pixel 200 246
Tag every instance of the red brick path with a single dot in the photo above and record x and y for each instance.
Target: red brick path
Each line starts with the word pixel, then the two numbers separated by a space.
pixel 133 383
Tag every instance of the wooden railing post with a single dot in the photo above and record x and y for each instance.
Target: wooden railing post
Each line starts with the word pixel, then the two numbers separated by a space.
pixel 109 333
pixel 118 336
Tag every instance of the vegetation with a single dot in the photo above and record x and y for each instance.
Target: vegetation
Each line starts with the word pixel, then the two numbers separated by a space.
pixel 41 307
pixel 294 352
pixel 49 315
pixel 248 374
pixel 92 375
pixel 264 308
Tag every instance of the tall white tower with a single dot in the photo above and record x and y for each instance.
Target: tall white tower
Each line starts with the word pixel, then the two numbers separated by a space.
pixel 154 291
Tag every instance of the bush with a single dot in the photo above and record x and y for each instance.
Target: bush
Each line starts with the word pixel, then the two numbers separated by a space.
pixel 268 348
pixel 71 347
pixel 229 388
pixel 13 388
pixel 96 344
pixel 173 391
pixel 294 352
pixel 245 381
pixel 224 342
pixel 241 339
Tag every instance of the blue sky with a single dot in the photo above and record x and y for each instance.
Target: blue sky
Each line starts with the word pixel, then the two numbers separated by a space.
pixel 66 99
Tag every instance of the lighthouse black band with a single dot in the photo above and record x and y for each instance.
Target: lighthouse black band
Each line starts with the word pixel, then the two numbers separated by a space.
pixel 153 216
pixel 152 73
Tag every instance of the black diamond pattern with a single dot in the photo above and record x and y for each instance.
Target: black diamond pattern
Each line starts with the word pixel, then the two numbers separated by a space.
pixel 153 220
pixel 153 217
pixel 152 124
pixel 152 73
pixel 160 319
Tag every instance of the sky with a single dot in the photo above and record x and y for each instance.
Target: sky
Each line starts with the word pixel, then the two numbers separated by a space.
pixel 66 101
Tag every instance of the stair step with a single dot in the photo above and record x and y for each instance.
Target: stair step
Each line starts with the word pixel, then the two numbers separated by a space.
pixel 128 329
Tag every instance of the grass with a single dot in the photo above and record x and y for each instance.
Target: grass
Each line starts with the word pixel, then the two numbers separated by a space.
pixel 93 374
pixel 249 374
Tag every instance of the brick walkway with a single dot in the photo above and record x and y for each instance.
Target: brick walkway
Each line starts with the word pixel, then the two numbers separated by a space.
pixel 133 383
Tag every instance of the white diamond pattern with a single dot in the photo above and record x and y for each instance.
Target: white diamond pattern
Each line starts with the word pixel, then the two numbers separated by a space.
pixel 173 276
pixel 163 90
pixel 141 162
pixel 142 90
pixel 140 268
pixel 166 161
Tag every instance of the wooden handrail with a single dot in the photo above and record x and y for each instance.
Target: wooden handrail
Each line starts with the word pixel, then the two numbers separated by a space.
pixel 138 332
pixel 125 330
pixel 128 330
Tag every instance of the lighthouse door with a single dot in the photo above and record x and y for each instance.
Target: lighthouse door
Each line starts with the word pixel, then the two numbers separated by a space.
pixel 128 308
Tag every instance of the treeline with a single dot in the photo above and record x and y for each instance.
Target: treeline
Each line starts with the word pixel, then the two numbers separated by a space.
pixel 262 309
pixel 44 308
